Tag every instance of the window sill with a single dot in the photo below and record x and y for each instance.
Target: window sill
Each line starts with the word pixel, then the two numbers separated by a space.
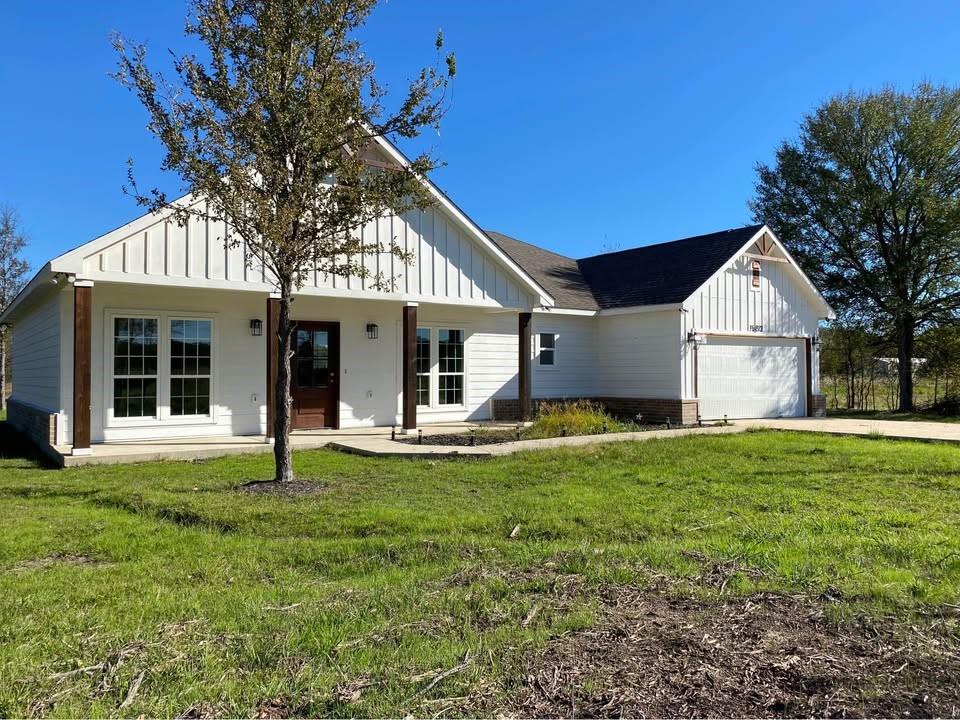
pixel 178 421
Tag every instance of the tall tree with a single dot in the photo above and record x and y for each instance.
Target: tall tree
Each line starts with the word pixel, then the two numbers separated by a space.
pixel 868 198
pixel 13 274
pixel 274 129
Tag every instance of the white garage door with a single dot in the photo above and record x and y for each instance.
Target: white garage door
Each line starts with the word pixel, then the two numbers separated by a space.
pixel 751 378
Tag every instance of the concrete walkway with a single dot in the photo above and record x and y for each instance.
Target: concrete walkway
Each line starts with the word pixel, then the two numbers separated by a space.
pixel 200 448
pixel 894 429
pixel 376 441
pixel 384 447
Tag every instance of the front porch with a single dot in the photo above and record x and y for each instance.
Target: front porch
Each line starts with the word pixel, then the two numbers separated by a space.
pixel 202 448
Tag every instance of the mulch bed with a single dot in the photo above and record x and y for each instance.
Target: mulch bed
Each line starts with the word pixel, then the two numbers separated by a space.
pixel 496 437
pixel 294 488
pixel 764 656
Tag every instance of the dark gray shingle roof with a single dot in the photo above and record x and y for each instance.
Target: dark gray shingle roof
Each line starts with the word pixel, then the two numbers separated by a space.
pixel 664 273
pixel 558 274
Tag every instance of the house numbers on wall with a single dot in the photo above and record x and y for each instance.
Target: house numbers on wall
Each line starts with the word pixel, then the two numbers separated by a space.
pixel 756 328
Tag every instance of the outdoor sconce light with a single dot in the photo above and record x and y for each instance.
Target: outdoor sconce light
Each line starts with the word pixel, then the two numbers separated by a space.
pixel 256 328
pixel 372 331
pixel 815 341
pixel 695 338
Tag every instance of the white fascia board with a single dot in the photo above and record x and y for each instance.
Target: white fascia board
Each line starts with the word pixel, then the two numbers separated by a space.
pixel 553 310
pixel 828 313
pixel 631 310
pixel 544 298
pixel 640 309
pixel 41 280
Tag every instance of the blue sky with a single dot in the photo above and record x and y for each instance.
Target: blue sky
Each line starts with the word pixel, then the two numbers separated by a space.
pixel 578 126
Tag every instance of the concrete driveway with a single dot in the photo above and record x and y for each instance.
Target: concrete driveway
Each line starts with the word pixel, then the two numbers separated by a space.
pixel 908 430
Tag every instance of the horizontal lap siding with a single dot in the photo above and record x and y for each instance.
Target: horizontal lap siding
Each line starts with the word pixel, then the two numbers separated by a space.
pixel 576 357
pixel 639 354
pixel 493 348
pixel 447 263
pixel 35 357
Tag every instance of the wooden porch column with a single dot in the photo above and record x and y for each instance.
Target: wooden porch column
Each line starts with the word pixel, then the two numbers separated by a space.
pixel 82 318
pixel 273 347
pixel 523 374
pixel 408 389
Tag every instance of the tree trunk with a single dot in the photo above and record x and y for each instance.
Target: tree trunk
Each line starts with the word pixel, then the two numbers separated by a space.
pixel 905 329
pixel 3 369
pixel 282 453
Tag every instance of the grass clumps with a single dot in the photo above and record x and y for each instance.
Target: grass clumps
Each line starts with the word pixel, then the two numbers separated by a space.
pixel 577 417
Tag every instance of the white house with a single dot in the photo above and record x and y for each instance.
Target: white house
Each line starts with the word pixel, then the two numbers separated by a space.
pixel 160 331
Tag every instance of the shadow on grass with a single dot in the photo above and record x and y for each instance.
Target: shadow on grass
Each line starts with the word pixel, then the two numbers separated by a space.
pixel 17 451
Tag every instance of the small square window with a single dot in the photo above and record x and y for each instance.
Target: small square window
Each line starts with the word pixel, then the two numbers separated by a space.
pixel 548 349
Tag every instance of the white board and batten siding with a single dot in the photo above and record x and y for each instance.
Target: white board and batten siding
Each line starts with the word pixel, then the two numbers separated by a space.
pixel 448 264
pixel 754 345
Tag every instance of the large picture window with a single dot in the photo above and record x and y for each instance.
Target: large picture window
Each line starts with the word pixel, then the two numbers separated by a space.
pixel 190 367
pixel 134 367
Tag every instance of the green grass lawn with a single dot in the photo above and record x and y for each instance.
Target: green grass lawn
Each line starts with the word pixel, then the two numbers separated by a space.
pixel 352 600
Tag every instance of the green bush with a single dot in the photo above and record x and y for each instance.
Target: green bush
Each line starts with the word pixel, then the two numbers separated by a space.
pixel 577 417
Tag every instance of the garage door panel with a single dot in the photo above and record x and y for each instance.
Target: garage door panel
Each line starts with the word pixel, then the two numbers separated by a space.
pixel 751 377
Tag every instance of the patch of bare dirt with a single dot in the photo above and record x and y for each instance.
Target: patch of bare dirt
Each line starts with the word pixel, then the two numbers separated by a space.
pixel 293 488
pixel 59 559
pixel 762 656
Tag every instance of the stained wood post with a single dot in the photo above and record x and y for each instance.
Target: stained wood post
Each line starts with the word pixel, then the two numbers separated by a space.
pixel 408 390
pixel 273 348
pixel 82 321
pixel 523 374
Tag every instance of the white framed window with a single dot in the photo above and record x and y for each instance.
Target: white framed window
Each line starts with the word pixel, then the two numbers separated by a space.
pixel 135 376
pixel 547 349
pixel 191 367
pixel 423 367
pixel 159 369
pixel 450 372
pixel 441 367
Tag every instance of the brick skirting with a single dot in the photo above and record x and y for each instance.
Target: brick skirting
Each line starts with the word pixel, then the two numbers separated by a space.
pixel 654 410
pixel 38 425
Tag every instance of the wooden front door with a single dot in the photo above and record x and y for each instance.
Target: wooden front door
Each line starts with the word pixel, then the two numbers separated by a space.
pixel 315 377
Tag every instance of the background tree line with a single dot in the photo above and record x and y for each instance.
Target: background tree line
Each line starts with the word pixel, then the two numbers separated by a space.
pixel 859 369
pixel 867 198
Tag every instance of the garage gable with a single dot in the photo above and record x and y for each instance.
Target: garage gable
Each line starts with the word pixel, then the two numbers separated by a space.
pixel 759 289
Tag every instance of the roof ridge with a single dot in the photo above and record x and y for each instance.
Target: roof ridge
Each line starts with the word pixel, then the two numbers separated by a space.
pixel 668 242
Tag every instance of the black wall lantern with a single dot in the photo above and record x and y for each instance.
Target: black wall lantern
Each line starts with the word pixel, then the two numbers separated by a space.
pixel 372 331
pixel 256 328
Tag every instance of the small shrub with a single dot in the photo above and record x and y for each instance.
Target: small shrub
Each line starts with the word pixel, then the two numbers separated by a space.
pixel 948 406
pixel 578 417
